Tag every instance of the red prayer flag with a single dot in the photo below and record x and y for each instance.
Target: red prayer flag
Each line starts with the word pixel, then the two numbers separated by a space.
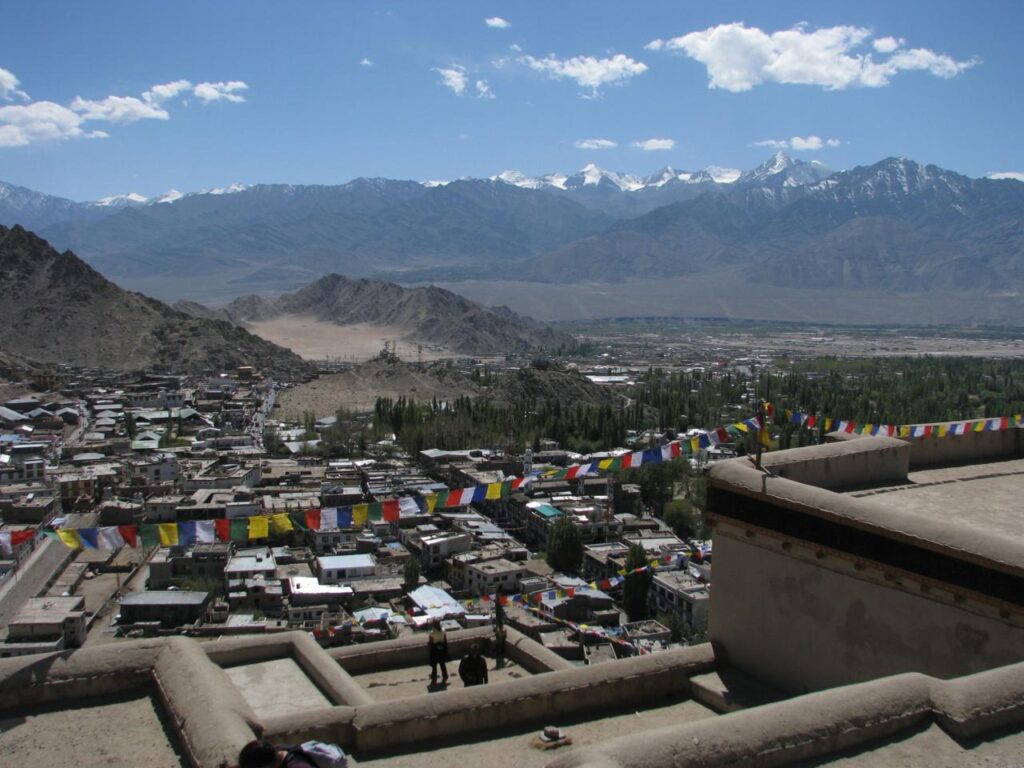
pixel 391 511
pixel 20 537
pixel 850 426
pixel 812 420
pixel 313 519
pixel 223 529
pixel 130 534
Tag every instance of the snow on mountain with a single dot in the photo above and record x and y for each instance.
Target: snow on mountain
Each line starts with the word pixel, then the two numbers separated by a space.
pixel 517 179
pixel 122 201
pixel 169 197
pixel 591 175
pixel 666 175
pixel 228 190
pixel 432 184
pixel 594 176
pixel 780 167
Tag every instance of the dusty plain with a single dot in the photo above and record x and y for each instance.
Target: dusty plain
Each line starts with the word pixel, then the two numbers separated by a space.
pixel 319 340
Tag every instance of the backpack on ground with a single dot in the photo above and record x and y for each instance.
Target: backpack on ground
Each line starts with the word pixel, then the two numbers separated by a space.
pixel 321 754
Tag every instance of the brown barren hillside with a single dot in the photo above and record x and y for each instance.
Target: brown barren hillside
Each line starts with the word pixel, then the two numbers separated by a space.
pixel 429 315
pixel 57 309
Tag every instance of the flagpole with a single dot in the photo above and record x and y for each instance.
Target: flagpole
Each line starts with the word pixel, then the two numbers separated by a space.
pixel 761 428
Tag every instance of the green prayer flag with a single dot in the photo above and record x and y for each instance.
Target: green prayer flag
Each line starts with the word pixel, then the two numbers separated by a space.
pixel 149 536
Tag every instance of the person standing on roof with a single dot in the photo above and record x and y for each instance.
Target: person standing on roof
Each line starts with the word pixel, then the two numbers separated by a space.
pixel 473 669
pixel 437 645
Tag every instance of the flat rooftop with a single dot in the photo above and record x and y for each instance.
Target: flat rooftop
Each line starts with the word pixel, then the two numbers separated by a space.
pixel 82 733
pixel 515 746
pixel 276 687
pixel 390 684
pixel 985 495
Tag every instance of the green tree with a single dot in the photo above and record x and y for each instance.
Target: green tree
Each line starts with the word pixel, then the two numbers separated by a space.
pixel 411 573
pixel 637 585
pixel 675 624
pixel 565 546
pixel 685 520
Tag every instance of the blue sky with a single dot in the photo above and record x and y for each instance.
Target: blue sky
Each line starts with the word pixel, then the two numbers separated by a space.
pixel 322 92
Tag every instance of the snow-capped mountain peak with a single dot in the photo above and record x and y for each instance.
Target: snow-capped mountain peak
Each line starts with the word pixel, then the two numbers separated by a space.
pixel 169 196
pixel 230 189
pixel 591 175
pixel 517 179
pixel 122 201
pixel 666 175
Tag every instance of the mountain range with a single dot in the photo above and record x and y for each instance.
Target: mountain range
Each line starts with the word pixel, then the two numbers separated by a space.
pixel 895 225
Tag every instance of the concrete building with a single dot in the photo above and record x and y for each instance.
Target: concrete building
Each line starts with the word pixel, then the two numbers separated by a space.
pixel 250 563
pixel 334 569
pixel 223 475
pixel 854 560
pixel 680 593
pixel 169 608
pixel 46 624
pixel 491 576
pixel 433 546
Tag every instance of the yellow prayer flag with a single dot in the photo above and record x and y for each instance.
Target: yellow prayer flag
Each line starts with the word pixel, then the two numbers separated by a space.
pixel 493 491
pixel 259 527
pixel 359 514
pixel 282 523
pixel 905 431
pixel 979 426
pixel 168 534
pixel 605 463
pixel 828 425
pixel 741 426
pixel 867 429
pixel 431 503
pixel 70 538
pixel 943 430
pixel 764 438
pixel 695 444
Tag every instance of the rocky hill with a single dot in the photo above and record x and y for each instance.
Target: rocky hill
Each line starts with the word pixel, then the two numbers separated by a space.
pixel 57 309
pixel 429 315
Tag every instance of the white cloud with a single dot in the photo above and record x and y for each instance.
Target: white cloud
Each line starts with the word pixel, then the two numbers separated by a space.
pixel 1015 175
pixel 595 144
pixel 40 121
pixel 654 145
pixel 158 94
pixel 496 22
pixel 739 58
pixel 483 90
pixel 9 86
pixel 365 63
pixel 118 109
pixel 207 92
pixel 888 44
pixel 799 143
pixel 588 71
pixel 515 47
pixel 454 78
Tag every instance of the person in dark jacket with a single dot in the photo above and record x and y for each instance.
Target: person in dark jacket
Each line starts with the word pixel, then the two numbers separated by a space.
pixel 437 645
pixel 473 669
pixel 263 754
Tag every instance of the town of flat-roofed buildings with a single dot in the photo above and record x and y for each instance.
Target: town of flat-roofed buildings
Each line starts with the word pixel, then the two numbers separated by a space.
pixel 118 450
pixel 163 450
